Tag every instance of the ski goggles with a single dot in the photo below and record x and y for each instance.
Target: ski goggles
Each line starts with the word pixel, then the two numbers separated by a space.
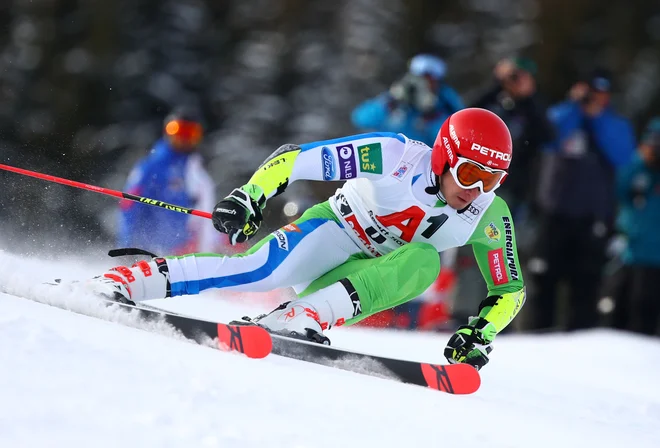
pixel 184 133
pixel 470 174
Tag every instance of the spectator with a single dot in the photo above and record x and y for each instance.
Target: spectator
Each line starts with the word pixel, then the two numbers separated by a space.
pixel 172 172
pixel 632 287
pixel 415 105
pixel 517 101
pixel 577 201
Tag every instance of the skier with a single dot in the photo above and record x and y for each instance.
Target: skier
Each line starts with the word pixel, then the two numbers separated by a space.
pixel 373 245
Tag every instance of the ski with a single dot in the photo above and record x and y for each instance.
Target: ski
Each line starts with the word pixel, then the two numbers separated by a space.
pixel 252 341
pixel 457 379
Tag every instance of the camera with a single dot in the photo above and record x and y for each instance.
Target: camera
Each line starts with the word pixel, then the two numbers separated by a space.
pixel 415 91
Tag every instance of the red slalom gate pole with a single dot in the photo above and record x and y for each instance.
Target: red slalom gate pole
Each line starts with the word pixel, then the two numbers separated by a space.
pixel 109 192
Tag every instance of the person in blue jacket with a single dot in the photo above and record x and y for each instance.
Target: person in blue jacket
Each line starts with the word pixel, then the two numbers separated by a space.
pixel 415 105
pixel 633 285
pixel 577 202
pixel 172 172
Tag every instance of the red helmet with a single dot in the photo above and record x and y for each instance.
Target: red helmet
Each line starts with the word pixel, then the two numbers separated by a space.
pixel 475 134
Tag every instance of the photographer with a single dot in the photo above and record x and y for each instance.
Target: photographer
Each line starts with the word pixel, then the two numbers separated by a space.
pixel 415 105
pixel 632 287
pixel 577 202
pixel 516 100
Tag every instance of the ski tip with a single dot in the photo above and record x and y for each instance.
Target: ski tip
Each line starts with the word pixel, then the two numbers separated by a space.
pixel 251 340
pixel 457 379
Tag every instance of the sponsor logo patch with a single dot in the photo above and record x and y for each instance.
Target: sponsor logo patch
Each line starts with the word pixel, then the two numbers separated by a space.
pixel 497 268
pixel 470 214
pixel 346 212
pixel 508 238
pixel 371 158
pixel 347 162
pixel 452 134
pixel 328 164
pixel 492 232
pixel 401 171
pixel 282 240
pixel 497 155
pixel 291 228
pixel 273 163
pixel 450 153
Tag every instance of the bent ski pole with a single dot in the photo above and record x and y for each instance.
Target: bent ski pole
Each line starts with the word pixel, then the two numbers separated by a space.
pixel 118 194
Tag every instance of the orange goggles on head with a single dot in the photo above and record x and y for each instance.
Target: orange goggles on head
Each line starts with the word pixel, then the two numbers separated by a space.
pixel 185 133
pixel 470 174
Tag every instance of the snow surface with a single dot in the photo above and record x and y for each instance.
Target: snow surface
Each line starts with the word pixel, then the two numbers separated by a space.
pixel 68 380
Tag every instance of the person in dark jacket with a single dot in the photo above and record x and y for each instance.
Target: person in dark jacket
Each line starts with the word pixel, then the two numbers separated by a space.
pixel 516 99
pixel 577 202
pixel 633 285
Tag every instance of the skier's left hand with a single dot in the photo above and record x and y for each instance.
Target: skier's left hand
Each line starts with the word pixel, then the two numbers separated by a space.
pixel 471 343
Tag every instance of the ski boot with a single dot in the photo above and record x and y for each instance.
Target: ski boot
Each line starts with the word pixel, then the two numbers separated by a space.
pixel 110 287
pixel 142 281
pixel 296 319
pixel 100 286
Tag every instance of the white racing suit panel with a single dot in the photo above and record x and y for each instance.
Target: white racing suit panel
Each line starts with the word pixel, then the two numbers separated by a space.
pixel 292 255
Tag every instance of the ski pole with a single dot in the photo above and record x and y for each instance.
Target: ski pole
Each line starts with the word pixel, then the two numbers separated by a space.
pixel 118 194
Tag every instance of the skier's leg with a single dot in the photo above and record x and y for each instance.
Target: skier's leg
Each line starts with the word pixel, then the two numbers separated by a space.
pixel 384 282
pixel 288 256
pixel 294 254
pixel 359 288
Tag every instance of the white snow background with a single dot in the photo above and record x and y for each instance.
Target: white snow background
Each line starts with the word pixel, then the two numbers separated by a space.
pixel 68 380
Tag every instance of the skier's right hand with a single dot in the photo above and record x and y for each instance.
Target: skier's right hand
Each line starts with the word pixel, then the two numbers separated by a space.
pixel 471 344
pixel 239 214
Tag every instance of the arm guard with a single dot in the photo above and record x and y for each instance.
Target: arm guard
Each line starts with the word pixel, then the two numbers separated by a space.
pixel 500 310
pixel 273 175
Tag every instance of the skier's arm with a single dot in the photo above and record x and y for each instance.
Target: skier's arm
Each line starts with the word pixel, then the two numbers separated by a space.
pixel 370 155
pixel 494 246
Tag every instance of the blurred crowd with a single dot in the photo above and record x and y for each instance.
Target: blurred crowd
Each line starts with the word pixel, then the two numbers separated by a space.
pixel 582 188
pixel 180 101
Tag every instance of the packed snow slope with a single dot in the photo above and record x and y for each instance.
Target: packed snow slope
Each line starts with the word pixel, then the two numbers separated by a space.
pixel 69 380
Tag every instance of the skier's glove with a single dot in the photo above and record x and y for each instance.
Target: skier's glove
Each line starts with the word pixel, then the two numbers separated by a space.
pixel 239 214
pixel 471 343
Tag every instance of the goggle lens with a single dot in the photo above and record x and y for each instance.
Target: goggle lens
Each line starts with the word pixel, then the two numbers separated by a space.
pixel 469 173
pixel 186 133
